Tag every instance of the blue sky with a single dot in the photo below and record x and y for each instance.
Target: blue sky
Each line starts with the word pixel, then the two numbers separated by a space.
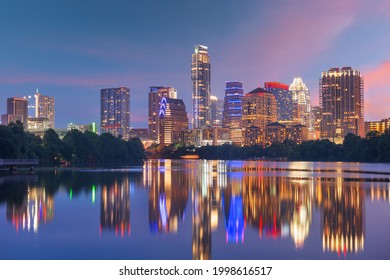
pixel 70 49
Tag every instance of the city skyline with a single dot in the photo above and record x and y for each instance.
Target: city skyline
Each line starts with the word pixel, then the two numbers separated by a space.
pixel 76 59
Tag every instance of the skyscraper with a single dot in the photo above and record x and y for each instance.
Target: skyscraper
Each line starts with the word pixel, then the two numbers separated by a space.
pixel 259 108
pixel 200 76
pixel 301 102
pixel 172 117
pixel 17 110
pixel 283 99
pixel 216 111
pixel 232 109
pixel 342 103
pixel 156 93
pixel 44 107
pixel 115 111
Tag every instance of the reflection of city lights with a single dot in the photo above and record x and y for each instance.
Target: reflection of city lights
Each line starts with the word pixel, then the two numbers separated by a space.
pixel 93 194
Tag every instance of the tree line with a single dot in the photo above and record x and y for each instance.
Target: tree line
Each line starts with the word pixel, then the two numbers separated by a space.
pixel 373 148
pixel 76 148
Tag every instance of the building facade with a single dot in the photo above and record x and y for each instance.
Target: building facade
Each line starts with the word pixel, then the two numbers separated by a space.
pixel 300 102
pixel 44 107
pixel 115 111
pixel 283 97
pixel 259 108
pixel 380 126
pixel 17 110
pixel 342 103
pixel 232 108
pixel 201 87
pixel 156 93
pixel 172 117
pixel 83 127
pixel 216 111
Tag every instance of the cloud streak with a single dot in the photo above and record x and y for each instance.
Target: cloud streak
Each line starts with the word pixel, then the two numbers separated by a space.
pixel 377 91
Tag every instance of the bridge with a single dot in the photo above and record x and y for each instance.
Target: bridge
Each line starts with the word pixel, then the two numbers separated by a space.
pixel 13 164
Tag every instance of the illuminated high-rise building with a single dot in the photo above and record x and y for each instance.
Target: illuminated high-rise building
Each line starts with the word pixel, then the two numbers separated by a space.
pixel 44 107
pixel 342 103
pixel 300 102
pixel 115 111
pixel 17 110
pixel 232 109
pixel 156 93
pixel 216 110
pixel 259 108
pixel 172 117
pixel 316 120
pixel 200 76
pixel 283 99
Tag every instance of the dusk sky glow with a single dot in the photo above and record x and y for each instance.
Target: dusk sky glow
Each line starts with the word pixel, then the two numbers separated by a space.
pixel 71 49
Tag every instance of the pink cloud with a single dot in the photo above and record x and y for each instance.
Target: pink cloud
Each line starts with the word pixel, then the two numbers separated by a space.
pixel 377 92
pixel 295 35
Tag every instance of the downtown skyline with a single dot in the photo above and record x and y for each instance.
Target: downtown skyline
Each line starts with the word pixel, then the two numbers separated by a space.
pixel 72 56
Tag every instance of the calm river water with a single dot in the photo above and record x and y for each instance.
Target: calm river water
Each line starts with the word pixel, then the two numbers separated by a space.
pixel 196 209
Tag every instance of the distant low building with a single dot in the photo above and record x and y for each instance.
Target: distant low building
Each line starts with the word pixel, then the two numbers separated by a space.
pixel 275 132
pixel 379 126
pixel 83 127
pixel 253 135
pixel 141 133
pixel 39 125
pixel 202 137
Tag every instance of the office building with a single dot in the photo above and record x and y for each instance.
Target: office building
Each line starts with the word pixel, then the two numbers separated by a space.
pixel 342 103
pixel 200 76
pixel 232 109
pixel 141 133
pixel 83 127
pixel 44 107
pixel 259 108
pixel 316 120
pixel 38 126
pixel 283 99
pixel 379 126
pixel 115 111
pixel 17 110
pixel 172 117
pixel 216 111
pixel 300 102
pixel 156 93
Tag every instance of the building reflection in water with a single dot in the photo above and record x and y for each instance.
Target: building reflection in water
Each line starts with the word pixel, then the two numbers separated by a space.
pixel 201 211
pixel 115 207
pixel 168 196
pixel 37 207
pixel 343 222
pixel 278 206
pixel 233 208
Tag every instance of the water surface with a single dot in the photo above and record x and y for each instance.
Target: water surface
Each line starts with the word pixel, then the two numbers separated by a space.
pixel 196 209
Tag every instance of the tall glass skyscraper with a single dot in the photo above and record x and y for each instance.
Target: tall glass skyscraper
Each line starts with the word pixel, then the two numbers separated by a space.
pixel 172 117
pixel 232 109
pixel 115 111
pixel 216 111
pixel 342 103
pixel 301 102
pixel 283 98
pixel 44 107
pixel 156 93
pixel 200 76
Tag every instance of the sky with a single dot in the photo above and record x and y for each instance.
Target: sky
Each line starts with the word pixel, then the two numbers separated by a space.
pixel 71 49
